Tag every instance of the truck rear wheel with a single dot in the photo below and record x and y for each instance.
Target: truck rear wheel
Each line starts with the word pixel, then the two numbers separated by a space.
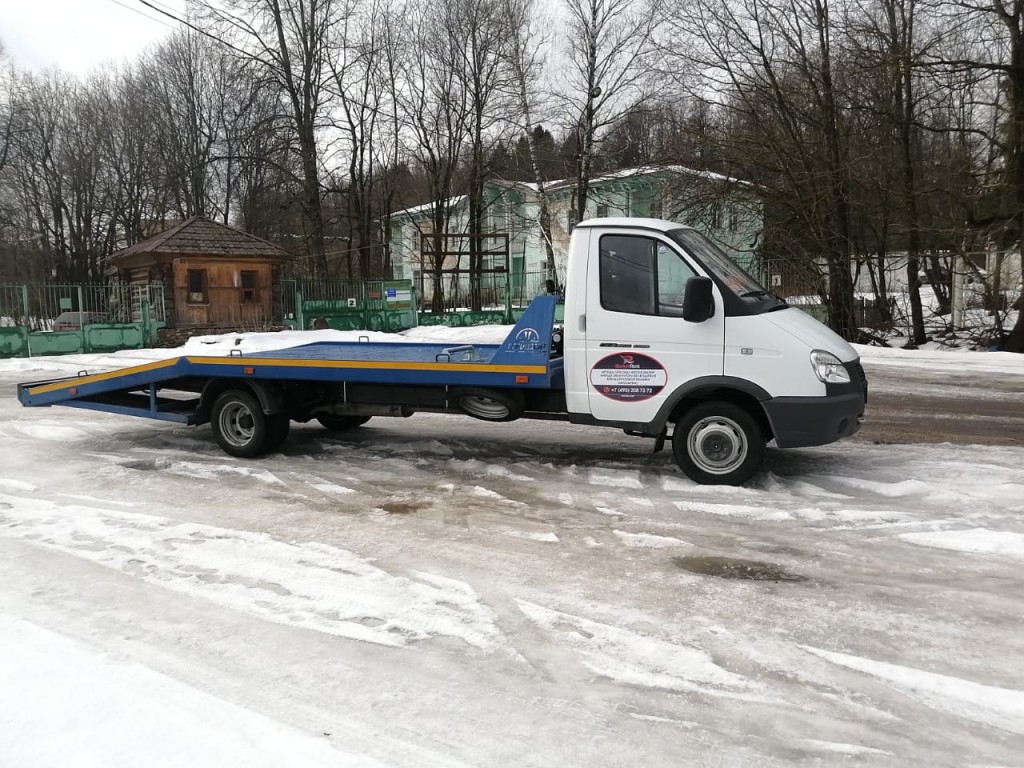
pixel 718 443
pixel 239 424
pixel 341 423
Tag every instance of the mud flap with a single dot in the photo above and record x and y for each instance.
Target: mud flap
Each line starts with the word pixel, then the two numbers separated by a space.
pixel 659 441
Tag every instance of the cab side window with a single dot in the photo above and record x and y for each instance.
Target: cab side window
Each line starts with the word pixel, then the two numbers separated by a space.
pixel 627 274
pixel 641 276
pixel 673 273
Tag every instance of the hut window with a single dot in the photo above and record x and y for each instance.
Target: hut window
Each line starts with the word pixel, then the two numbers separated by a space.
pixel 249 286
pixel 196 286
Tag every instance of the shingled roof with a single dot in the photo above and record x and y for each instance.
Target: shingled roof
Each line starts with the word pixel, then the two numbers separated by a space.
pixel 200 236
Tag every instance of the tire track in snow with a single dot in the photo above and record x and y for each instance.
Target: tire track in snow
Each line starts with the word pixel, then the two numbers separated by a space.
pixel 1001 708
pixel 303 584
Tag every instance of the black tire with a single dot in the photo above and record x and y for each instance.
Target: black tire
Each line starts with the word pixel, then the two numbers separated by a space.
pixel 718 443
pixel 239 424
pixel 489 404
pixel 341 423
pixel 278 427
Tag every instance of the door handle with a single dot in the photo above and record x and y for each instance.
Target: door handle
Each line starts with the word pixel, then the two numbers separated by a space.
pixel 583 323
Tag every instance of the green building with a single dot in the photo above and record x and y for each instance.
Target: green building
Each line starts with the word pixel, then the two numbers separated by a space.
pixel 728 211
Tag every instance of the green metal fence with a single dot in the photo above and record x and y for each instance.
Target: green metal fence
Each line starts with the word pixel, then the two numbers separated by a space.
pixel 504 298
pixel 345 305
pixel 52 319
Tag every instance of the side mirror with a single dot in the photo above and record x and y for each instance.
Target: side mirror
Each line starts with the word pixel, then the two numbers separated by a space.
pixel 698 300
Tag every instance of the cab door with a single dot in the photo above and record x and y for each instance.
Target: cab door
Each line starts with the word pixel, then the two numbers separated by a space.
pixel 638 347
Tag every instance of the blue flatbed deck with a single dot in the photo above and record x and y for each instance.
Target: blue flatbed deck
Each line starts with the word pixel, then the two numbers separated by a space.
pixel 523 360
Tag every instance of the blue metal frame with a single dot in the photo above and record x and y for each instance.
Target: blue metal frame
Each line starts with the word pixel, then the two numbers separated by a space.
pixel 523 360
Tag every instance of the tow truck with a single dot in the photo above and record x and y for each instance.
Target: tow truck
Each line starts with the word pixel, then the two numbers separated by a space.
pixel 664 337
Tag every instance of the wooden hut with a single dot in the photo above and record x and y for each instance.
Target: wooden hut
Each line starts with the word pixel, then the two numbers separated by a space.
pixel 214 276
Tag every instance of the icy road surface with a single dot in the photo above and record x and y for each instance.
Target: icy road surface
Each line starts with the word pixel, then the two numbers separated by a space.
pixel 439 592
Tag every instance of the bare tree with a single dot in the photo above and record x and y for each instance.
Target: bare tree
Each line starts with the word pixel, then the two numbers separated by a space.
pixel 367 50
pixel 887 46
pixel 776 64
pixel 526 58
pixel 292 40
pixel 484 75
pixel 437 112
pixel 127 142
pixel 183 77
pixel 61 180
pixel 998 52
pixel 610 44
pixel 6 105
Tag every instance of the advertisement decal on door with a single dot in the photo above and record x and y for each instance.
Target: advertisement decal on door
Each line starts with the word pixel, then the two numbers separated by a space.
pixel 628 377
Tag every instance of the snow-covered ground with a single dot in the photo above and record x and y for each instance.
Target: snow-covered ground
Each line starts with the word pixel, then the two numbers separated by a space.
pixel 438 592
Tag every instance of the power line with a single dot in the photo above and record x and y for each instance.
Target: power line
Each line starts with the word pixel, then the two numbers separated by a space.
pixel 202 31
pixel 165 6
pixel 143 15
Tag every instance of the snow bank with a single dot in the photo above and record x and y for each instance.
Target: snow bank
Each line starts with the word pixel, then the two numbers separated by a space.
pixel 955 359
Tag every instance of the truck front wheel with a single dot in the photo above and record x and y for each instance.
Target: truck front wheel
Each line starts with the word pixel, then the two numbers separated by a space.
pixel 718 443
pixel 239 424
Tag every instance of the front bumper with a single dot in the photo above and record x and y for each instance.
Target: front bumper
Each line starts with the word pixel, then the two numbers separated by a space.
pixel 798 422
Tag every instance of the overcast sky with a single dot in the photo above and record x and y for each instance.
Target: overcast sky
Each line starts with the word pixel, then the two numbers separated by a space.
pixel 77 35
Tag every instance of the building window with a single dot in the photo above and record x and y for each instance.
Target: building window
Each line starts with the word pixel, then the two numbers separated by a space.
pixel 716 217
pixel 249 293
pixel 602 211
pixel 734 218
pixel 196 285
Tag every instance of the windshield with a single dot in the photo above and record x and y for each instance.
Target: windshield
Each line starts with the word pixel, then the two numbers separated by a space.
pixel 714 259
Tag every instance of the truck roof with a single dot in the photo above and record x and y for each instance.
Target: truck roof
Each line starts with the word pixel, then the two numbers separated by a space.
pixel 633 223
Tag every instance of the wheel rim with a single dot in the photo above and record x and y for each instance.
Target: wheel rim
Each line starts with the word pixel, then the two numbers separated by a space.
pixel 717 445
pixel 484 407
pixel 237 424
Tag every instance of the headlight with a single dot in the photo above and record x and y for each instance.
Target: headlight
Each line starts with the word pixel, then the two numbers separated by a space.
pixel 828 368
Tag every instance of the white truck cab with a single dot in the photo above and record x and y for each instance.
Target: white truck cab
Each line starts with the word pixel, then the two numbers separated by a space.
pixel 661 328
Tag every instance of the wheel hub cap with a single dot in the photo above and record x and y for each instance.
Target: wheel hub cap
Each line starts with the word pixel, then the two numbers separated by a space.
pixel 237 424
pixel 717 445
